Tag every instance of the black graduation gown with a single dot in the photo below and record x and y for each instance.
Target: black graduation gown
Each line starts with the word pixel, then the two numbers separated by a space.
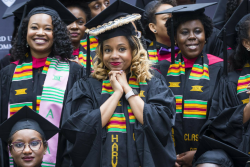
pixel 6 74
pixel 4 61
pixel 225 121
pixel 215 72
pixel 214 45
pixel 154 145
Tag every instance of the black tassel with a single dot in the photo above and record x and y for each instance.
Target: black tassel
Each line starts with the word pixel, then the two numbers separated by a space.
pixel 88 68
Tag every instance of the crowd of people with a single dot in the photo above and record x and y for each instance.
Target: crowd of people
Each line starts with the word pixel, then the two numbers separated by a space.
pixel 157 84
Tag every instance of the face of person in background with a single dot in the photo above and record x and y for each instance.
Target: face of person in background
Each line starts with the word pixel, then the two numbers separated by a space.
pixel 117 54
pixel 98 6
pixel 40 33
pixel 77 28
pixel 185 2
pixel 191 38
pixel 158 28
pixel 32 154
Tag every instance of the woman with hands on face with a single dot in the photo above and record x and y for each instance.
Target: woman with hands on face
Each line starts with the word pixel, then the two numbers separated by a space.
pixel 122 115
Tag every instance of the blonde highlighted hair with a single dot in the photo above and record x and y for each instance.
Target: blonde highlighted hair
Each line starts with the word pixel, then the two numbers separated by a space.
pixel 140 65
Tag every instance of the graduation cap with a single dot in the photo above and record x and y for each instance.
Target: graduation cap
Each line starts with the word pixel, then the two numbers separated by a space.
pixel 239 158
pixel 32 7
pixel 229 33
pixel 143 3
pixel 180 10
pixel 26 118
pixel 9 11
pixel 114 21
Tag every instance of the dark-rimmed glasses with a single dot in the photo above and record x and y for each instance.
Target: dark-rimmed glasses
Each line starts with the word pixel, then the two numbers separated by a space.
pixel 33 145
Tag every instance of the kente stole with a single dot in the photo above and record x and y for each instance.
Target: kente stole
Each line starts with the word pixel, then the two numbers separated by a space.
pixel 152 53
pixel 243 82
pixel 46 98
pixel 191 93
pixel 120 128
pixel 83 57
pixel 93 43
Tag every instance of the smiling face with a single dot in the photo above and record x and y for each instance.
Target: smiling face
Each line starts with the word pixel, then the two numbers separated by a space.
pixel 117 54
pixel 98 6
pixel 77 28
pixel 40 33
pixel 27 157
pixel 191 38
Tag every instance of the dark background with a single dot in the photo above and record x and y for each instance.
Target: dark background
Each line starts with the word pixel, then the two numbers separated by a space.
pixel 6 25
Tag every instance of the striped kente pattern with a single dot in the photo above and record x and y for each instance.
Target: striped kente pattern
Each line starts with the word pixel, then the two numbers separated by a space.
pixel 23 72
pixel 243 83
pixel 53 95
pixel 199 72
pixel 195 109
pixel 177 68
pixel 38 101
pixel 133 83
pixel 93 43
pixel 131 115
pixel 48 164
pixel 106 87
pixel 152 54
pixel 46 66
pixel 59 65
pixel 178 99
pixel 117 123
pixel 17 106
pixel 83 59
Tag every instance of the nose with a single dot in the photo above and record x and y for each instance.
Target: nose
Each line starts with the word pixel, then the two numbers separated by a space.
pixel 73 25
pixel 40 32
pixel 192 36
pixel 114 55
pixel 103 6
pixel 27 149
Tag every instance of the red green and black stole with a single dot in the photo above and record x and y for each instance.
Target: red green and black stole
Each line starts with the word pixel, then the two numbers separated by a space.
pixel 83 57
pixel 119 131
pixel 93 43
pixel 191 93
pixel 243 82
pixel 152 52
pixel 46 97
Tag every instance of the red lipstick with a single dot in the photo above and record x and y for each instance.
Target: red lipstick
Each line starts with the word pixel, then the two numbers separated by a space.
pixel 115 63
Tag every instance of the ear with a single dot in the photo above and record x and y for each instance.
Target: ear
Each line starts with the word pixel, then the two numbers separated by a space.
pixel 246 43
pixel 152 27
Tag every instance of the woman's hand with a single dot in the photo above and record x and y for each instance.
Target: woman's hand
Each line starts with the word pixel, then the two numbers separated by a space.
pixel 122 79
pixel 185 159
pixel 114 82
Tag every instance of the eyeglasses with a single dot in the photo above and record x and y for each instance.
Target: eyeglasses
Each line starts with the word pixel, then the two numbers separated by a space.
pixel 33 145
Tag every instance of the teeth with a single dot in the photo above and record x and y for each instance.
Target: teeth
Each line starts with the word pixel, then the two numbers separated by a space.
pixel 40 41
pixel 192 47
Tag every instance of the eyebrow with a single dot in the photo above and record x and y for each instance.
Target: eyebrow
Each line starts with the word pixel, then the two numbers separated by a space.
pixel 80 18
pixel 45 25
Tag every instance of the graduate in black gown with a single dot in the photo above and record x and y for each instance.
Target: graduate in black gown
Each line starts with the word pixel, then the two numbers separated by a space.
pixel 229 113
pixel 77 29
pixel 192 76
pixel 27 134
pixel 122 115
pixel 41 75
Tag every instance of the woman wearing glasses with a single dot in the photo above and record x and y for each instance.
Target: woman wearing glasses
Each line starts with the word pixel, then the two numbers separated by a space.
pixel 27 134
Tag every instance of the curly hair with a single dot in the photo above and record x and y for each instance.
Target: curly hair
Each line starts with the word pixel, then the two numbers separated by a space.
pixel 180 19
pixel 231 7
pixel 78 4
pixel 140 65
pixel 139 27
pixel 61 41
pixel 152 18
pixel 240 56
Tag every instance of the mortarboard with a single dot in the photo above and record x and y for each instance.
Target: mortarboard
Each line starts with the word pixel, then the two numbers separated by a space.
pixel 114 21
pixel 26 118
pixel 228 33
pixel 9 11
pixel 180 10
pixel 239 158
pixel 32 7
